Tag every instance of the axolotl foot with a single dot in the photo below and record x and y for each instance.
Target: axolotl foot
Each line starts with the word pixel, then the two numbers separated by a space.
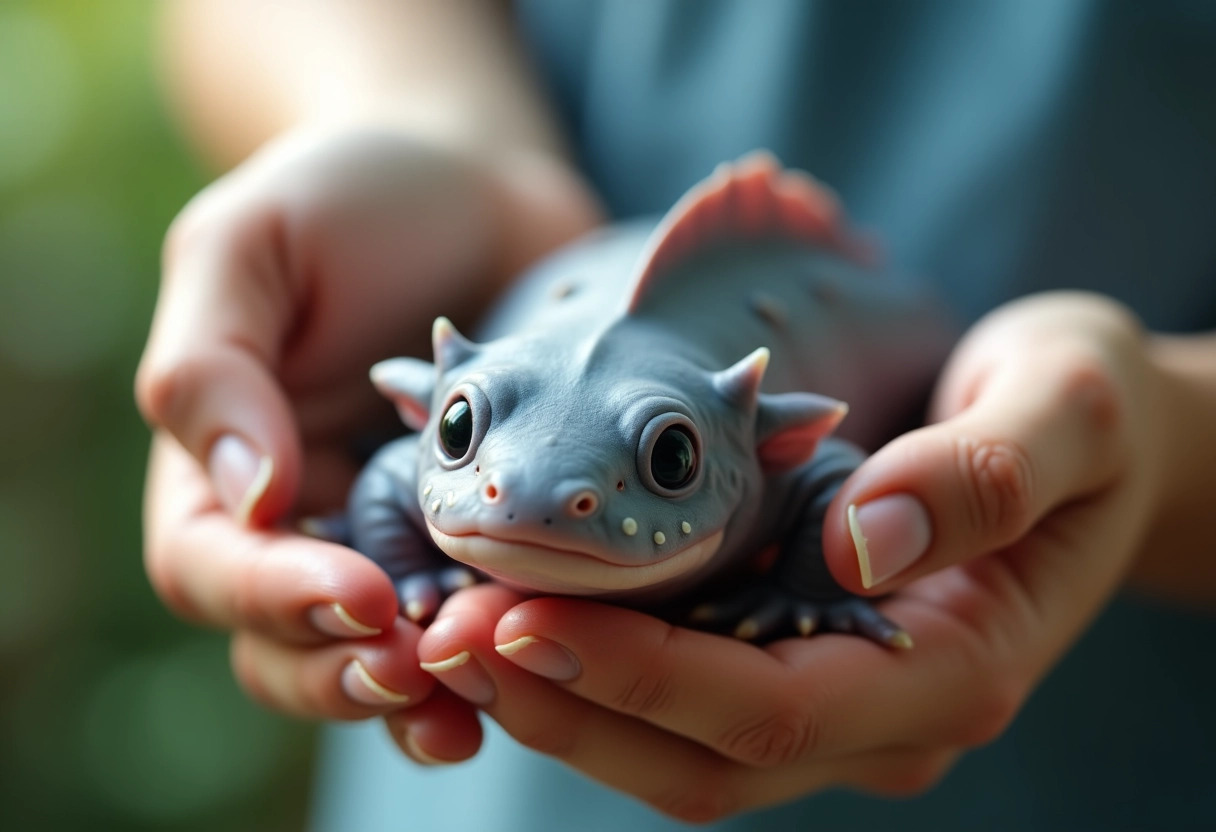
pixel 422 591
pixel 764 612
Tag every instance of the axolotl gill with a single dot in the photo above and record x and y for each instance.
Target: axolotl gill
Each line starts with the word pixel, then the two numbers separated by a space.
pixel 635 423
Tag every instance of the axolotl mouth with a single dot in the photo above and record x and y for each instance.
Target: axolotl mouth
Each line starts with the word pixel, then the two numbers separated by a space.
pixel 538 568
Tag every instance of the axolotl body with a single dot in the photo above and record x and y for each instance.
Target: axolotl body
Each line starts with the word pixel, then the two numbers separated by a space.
pixel 635 423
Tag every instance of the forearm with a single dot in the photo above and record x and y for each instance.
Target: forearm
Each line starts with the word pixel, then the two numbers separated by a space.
pixel 242 71
pixel 1178 560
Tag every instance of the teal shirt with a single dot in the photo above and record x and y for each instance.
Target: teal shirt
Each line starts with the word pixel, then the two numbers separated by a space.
pixel 997 148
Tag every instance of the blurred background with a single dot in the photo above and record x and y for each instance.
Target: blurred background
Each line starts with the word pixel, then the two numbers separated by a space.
pixel 112 713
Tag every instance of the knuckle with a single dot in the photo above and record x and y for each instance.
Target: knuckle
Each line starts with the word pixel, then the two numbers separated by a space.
pixel 208 212
pixel 156 385
pixel 998 479
pixel 183 231
pixel 649 692
pixel 163 385
pixel 771 739
pixel 992 713
pixel 1086 387
pixel 646 695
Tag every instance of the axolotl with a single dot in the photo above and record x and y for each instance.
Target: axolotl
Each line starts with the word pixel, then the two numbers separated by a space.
pixel 645 418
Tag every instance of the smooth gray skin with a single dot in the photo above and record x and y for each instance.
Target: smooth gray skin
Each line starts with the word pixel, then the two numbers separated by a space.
pixel 568 388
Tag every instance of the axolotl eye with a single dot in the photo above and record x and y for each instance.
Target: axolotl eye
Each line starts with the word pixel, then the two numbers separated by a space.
pixel 464 423
pixel 456 429
pixel 669 455
pixel 674 458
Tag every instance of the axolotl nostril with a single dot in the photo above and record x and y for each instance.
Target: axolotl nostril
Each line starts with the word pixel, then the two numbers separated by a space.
pixel 636 422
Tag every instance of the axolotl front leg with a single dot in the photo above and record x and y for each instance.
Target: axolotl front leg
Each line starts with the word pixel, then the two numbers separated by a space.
pixel 386 525
pixel 798 595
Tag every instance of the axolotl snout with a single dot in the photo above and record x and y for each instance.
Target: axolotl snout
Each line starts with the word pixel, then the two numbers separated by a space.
pixel 635 425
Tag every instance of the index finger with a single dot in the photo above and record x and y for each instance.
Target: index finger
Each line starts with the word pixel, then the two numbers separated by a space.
pixel 207 373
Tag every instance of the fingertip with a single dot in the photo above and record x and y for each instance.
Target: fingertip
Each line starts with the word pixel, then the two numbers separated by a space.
pixel 467 620
pixel 362 687
pixel 532 617
pixel 880 526
pixel 333 619
pixel 356 599
pixel 224 406
pixel 380 671
pixel 845 549
pixel 443 730
pixel 241 476
pixel 256 484
pixel 579 625
pixel 889 534
pixel 336 680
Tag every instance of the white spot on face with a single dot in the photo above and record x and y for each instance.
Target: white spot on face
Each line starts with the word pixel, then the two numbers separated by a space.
pixel 686 527
pixel 451 498
pixel 660 538
pixel 435 506
pixel 629 526
pixel 426 492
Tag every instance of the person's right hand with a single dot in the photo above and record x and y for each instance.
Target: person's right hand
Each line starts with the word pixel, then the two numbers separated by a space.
pixel 283 283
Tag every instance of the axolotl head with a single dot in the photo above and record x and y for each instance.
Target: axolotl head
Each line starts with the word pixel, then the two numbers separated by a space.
pixel 594 477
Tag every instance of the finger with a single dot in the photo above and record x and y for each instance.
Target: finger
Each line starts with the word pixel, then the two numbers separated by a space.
pixel 207 375
pixel 442 730
pixel 798 699
pixel 1037 433
pixel 209 569
pixel 673 774
pixel 339 681
pixel 887 772
pixel 443 650
pixel 677 776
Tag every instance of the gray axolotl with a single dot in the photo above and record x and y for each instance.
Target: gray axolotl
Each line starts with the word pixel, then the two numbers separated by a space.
pixel 636 424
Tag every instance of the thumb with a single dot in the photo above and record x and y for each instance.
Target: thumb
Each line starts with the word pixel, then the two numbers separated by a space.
pixel 1034 436
pixel 206 375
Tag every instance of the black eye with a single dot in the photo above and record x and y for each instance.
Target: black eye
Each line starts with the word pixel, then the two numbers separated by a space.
pixel 456 429
pixel 674 459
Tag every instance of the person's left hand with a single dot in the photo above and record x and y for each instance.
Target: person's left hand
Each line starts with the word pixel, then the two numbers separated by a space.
pixel 1004 526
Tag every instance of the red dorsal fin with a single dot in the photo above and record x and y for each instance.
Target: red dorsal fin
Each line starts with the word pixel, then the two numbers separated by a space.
pixel 753 197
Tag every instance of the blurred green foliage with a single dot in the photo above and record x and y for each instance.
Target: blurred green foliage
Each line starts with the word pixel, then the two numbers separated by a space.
pixel 112 714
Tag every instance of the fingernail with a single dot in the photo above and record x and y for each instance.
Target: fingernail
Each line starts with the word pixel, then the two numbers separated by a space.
pixel 334 620
pixel 542 657
pixel 359 685
pixel 418 754
pixel 464 676
pixel 239 475
pixel 890 534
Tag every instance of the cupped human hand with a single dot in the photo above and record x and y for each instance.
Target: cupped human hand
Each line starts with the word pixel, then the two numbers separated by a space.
pixel 283 283
pixel 999 531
